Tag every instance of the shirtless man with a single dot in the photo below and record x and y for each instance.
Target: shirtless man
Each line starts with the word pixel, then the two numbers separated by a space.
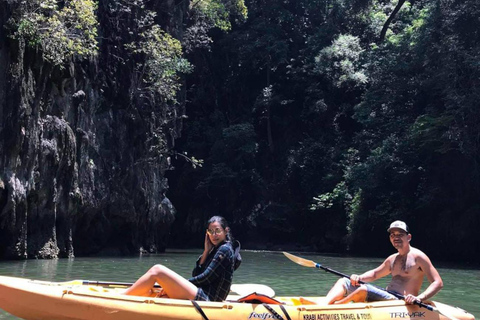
pixel 408 268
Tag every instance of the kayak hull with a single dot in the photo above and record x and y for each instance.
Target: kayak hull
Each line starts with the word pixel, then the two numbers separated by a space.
pixel 39 300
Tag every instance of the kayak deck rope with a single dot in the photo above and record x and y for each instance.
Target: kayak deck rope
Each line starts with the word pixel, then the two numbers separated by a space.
pixel 199 309
pixel 275 314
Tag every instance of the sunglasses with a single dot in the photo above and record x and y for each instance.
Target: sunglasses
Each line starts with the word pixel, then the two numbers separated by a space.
pixel 397 235
pixel 213 232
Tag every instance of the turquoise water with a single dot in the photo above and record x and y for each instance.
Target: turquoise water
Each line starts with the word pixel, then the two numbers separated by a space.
pixel 461 285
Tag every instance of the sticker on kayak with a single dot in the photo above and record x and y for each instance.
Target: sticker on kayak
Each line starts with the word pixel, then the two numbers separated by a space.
pixel 338 316
pixel 417 314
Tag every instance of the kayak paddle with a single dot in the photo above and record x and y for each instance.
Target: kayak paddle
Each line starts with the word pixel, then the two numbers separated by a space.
pixel 312 264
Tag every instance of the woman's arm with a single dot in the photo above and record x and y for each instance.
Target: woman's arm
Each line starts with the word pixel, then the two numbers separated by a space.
pixel 208 246
pixel 220 262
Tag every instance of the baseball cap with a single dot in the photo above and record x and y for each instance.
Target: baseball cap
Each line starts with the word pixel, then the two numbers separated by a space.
pixel 399 225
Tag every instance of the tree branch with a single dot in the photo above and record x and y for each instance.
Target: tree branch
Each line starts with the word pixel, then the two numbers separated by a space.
pixel 390 19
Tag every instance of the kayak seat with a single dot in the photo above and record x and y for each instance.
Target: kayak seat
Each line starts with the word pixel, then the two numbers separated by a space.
pixel 266 302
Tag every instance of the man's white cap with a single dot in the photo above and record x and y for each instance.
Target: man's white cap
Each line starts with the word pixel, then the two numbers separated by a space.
pixel 399 225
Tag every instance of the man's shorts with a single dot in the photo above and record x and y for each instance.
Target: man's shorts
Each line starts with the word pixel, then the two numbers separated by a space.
pixel 373 293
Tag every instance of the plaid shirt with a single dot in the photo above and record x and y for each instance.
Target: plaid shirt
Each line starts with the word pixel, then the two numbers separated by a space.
pixel 216 274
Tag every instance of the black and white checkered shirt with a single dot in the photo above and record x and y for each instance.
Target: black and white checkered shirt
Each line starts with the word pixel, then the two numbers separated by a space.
pixel 215 276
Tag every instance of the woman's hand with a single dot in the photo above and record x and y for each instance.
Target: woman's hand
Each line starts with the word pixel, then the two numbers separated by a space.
pixel 208 244
pixel 160 293
pixel 208 247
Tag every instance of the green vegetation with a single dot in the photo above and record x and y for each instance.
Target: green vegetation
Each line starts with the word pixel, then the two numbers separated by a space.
pixel 162 64
pixel 353 127
pixel 317 120
pixel 60 32
pixel 218 13
pixel 341 61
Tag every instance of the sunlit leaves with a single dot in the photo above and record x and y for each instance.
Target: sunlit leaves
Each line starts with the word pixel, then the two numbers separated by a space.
pixel 60 32
pixel 218 12
pixel 163 61
pixel 326 200
pixel 341 62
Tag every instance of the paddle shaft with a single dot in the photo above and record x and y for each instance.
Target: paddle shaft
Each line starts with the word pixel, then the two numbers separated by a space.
pixel 110 283
pixel 396 294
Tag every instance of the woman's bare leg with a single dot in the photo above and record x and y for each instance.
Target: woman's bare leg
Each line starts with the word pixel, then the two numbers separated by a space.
pixel 359 295
pixel 337 292
pixel 174 285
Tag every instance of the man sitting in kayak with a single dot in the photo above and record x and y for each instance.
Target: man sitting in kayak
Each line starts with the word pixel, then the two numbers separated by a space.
pixel 408 268
pixel 212 276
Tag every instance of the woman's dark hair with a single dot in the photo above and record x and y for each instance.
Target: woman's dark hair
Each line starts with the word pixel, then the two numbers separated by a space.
pixel 223 222
pixel 235 244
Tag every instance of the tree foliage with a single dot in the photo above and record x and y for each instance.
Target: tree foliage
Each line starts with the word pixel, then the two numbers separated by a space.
pixel 61 31
pixel 364 112
pixel 163 62
pixel 341 61
pixel 218 13
pixel 210 14
pixel 322 120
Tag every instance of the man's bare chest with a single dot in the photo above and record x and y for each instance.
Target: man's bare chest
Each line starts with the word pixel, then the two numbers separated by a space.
pixel 405 266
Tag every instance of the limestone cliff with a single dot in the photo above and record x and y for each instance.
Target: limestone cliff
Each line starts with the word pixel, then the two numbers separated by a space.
pixel 77 173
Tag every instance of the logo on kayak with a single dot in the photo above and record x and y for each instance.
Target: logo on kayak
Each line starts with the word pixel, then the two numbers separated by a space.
pixel 263 316
pixel 417 314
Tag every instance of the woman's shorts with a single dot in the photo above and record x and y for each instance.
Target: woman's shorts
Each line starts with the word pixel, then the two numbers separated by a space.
pixel 373 293
pixel 201 296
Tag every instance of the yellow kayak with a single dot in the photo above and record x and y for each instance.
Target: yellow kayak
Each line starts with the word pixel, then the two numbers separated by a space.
pixel 34 299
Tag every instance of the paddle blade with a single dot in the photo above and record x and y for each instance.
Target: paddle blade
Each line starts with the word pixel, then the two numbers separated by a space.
pixel 450 312
pixel 300 261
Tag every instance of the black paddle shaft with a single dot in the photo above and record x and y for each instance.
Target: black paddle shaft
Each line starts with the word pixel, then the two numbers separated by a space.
pixel 396 294
pixel 110 283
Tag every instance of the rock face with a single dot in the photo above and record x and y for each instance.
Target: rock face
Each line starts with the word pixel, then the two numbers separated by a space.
pixel 76 173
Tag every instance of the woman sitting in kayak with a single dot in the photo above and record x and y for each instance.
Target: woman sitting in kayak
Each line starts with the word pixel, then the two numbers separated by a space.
pixel 211 277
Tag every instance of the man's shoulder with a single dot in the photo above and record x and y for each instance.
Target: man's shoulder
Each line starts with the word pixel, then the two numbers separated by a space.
pixel 392 257
pixel 420 256
pixel 417 252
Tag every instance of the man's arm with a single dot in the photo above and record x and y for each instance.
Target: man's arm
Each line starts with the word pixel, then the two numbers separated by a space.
pixel 436 282
pixel 374 274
